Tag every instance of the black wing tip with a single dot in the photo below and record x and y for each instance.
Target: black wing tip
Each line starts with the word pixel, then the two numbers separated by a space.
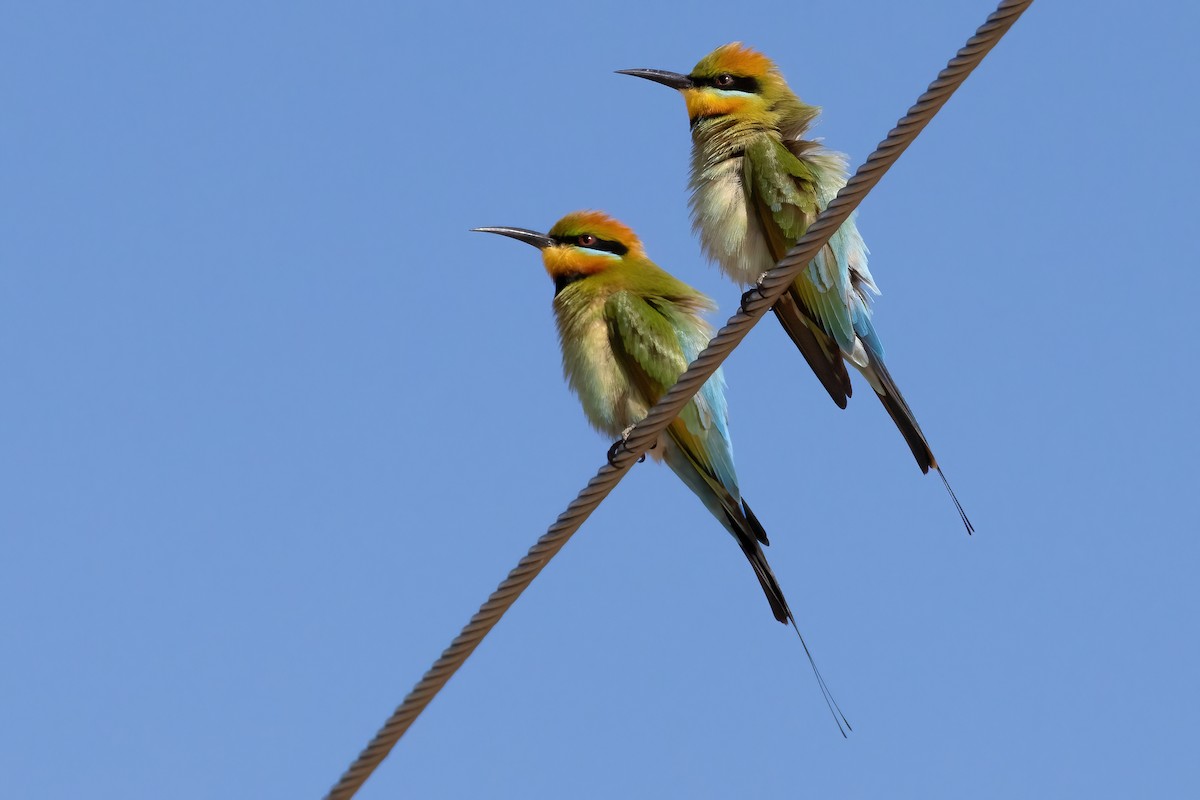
pixel 825 362
pixel 755 526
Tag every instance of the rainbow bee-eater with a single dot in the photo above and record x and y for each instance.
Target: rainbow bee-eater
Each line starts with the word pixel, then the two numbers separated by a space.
pixel 757 184
pixel 628 330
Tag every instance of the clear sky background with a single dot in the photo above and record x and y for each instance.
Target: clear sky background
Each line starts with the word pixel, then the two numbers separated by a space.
pixel 273 423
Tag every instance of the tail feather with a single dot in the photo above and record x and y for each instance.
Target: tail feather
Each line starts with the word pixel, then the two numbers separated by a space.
pixel 825 360
pixel 748 541
pixel 748 533
pixel 906 421
pixel 735 514
pixel 900 413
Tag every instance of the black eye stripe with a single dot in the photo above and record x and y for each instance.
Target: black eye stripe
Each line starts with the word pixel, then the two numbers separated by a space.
pixel 740 83
pixel 606 245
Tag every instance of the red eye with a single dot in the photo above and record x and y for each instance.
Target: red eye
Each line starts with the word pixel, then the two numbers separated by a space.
pixel 586 240
pixel 724 80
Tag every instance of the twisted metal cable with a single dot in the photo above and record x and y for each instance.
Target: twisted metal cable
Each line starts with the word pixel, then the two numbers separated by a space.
pixel 645 433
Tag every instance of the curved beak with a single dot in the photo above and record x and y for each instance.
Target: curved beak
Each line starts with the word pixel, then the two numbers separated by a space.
pixel 672 79
pixel 539 240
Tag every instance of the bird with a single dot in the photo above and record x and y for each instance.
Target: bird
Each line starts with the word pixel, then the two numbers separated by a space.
pixel 756 185
pixel 628 329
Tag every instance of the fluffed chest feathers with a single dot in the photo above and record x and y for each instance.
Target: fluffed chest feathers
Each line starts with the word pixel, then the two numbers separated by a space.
pixel 609 400
pixel 730 234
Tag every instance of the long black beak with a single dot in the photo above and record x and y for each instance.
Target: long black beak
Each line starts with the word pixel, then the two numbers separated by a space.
pixel 672 79
pixel 539 240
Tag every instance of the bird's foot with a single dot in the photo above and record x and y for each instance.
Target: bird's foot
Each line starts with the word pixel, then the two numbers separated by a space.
pixel 756 289
pixel 620 443
pixel 625 437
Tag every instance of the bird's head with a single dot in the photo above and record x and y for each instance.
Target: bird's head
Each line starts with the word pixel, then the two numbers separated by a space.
pixel 580 244
pixel 733 82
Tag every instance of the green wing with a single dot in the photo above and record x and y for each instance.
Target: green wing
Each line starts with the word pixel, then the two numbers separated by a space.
pixel 782 193
pixel 648 343
pixel 645 344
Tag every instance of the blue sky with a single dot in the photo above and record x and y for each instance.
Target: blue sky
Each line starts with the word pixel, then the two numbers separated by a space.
pixel 274 423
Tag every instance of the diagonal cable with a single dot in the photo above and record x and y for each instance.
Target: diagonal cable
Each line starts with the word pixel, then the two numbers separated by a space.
pixel 646 432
